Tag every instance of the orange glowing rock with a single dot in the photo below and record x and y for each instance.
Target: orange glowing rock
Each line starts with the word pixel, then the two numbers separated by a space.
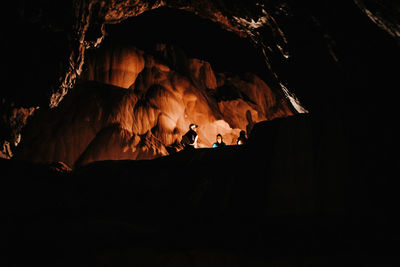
pixel 138 107
pixel 119 67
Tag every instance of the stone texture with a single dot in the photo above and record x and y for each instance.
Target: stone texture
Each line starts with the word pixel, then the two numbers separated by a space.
pixel 136 107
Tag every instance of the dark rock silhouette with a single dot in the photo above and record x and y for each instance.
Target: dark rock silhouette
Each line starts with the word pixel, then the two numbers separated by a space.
pixel 286 187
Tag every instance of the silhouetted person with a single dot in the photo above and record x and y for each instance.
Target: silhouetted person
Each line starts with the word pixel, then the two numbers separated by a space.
pixel 219 142
pixel 250 121
pixel 189 139
pixel 242 139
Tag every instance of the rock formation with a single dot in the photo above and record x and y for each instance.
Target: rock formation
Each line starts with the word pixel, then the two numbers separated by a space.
pixel 61 34
pixel 12 121
pixel 294 183
pixel 131 105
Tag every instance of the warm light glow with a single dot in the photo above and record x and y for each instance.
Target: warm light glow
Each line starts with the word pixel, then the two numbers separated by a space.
pixel 174 100
pixel 138 107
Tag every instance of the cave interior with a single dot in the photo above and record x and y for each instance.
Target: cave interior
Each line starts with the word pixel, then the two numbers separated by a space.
pixel 99 179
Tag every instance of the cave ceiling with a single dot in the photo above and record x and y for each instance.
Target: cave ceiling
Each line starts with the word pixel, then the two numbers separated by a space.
pixel 249 20
pixel 60 33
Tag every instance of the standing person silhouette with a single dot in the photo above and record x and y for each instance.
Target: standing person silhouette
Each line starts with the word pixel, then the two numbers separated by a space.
pixel 189 139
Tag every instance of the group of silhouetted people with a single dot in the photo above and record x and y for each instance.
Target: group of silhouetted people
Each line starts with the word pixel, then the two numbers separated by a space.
pixel 189 139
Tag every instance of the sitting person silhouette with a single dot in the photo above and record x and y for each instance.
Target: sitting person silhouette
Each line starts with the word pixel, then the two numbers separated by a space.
pixel 189 139
pixel 242 139
pixel 219 142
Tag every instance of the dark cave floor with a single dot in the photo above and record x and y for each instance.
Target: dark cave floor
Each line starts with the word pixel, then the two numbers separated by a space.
pixel 208 207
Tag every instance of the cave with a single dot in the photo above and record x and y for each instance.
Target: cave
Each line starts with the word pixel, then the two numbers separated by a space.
pixel 150 78
pixel 97 96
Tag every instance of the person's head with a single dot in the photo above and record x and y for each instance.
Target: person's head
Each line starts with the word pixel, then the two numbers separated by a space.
pixel 193 127
pixel 242 133
pixel 219 138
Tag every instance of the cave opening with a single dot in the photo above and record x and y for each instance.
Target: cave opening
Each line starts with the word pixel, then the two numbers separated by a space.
pixel 216 63
pixel 150 78
pixel 197 37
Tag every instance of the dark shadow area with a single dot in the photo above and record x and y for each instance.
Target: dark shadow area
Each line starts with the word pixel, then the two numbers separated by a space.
pixel 197 37
pixel 340 61
pixel 273 201
pixel 36 50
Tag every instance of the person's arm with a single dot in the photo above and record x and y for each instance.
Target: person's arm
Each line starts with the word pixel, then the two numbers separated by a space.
pixel 214 145
pixel 195 141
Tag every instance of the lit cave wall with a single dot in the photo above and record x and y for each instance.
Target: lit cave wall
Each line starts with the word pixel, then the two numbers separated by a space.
pixel 146 82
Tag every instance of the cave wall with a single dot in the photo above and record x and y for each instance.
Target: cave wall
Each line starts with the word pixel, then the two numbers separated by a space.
pixel 339 68
pixel 243 19
pixel 131 105
pixel 278 28
pixel 334 56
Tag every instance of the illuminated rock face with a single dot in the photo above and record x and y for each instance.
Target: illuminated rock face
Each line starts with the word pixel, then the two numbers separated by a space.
pixel 60 34
pixel 131 105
